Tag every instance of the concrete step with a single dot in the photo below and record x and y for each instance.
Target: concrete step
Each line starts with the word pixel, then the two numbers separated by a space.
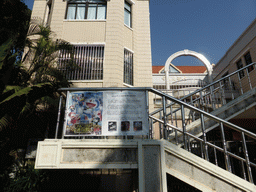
pixel 226 112
pixel 200 173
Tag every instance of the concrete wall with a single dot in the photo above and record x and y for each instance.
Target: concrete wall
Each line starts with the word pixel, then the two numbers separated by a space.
pixel 153 159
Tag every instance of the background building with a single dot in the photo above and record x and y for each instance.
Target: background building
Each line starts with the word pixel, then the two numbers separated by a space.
pixel 239 55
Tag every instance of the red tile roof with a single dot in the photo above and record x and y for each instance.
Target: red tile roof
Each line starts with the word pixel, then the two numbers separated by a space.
pixel 184 69
pixel 156 69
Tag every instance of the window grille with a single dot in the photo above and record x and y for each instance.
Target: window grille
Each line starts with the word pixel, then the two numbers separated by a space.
pixel 86 9
pixel 87 62
pixel 128 67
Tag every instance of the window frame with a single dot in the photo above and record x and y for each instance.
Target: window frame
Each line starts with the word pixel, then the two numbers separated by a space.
pixel 246 58
pixel 128 68
pixel 130 13
pixel 86 3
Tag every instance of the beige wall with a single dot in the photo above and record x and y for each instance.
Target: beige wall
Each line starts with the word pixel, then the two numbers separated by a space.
pixel 113 33
pixel 84 32
pixel 244 44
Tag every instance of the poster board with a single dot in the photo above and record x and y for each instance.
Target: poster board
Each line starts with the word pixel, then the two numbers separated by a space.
pixel 106 113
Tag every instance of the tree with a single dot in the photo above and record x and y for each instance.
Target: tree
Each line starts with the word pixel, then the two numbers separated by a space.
pixel 14 24
pixel 32 90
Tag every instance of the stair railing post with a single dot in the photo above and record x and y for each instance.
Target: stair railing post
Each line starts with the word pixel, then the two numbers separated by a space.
pixel 204 138
pixel 164 117
pixel 231 88
pixel 58 119
pixel 202 150
pixel 240 84
pixel 160 125
pixel 201 101
pixel 222 94
pixel 249 79
pixel 247 158
pixel 176 134
pixel 184 127
pixel 244 174
pixel 227 162
pixel 171 115
pixel 213 97
pixel 215 155
pixel 65 114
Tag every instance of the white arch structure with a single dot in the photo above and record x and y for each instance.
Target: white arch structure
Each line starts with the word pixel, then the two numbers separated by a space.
pixel 187 52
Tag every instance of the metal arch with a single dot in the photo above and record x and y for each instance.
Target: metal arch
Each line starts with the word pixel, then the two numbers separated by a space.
pixel 187 52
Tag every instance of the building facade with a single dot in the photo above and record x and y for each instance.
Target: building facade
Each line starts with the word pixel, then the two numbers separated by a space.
pixel 111 40
pixel 239 55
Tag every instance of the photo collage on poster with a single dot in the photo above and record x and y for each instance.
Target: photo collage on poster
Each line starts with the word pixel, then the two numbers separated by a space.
pixel 125 126
pixel 84 113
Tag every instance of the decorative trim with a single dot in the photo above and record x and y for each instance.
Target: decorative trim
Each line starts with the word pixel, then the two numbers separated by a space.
pixel 127 85
pixel 129 50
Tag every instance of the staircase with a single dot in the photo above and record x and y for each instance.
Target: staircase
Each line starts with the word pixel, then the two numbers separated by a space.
pixel 196 146
pixel 199 123
pixel 198 173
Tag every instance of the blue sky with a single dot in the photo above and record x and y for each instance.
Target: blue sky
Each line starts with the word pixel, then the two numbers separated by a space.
pixel 209 27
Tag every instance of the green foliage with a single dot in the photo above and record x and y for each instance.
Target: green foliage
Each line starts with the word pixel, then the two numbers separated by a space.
pixel 14 24
pixel 25 179
pixel 27 94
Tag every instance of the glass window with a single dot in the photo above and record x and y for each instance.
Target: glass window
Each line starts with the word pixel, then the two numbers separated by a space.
pixel 71 12
pixel 239 65
pixel 248 60
pixel 92 10
pixel 101 12
pixel 80 11
pixel 128 67
pixel 127 14
pixel 86 9
pixel 87 62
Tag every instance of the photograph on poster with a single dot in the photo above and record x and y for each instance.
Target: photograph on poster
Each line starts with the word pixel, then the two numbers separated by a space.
pixel 84 113
pixel 125 126
pixel 137 125
pixel 112 126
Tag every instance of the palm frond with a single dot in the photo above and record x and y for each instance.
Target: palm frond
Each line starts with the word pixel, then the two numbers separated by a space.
pixel 5 121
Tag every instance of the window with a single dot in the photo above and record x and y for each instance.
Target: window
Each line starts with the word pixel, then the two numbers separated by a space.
pixel 239 65
pixel 128 67
pixel 248 60
pixel 86 9
pixel 127 14
pixel 159 87
pixel 88 62
pixel 158 101
pixel 48 15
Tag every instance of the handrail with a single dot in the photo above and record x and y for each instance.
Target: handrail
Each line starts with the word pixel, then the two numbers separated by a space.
pixel 206 87
pixel 205 145
pixel 231 125
pixel 209 97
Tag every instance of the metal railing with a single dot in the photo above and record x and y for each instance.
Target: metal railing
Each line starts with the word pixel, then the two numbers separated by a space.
pixel 220 92
pixel 174 122
pixel 218 150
